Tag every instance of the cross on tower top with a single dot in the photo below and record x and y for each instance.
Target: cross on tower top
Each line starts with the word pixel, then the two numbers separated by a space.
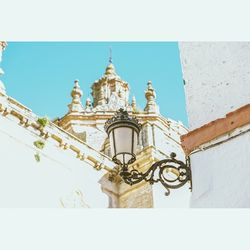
pixel 110 55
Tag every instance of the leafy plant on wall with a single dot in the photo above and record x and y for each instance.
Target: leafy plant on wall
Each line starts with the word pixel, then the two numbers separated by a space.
pixel 40 144
pixel 43 121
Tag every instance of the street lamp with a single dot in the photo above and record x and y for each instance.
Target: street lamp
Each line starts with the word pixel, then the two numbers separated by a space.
pixel 123 132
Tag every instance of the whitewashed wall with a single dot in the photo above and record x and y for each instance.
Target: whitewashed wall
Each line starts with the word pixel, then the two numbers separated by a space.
pixel 217 79
pixel 221 175
pixel 58 177
pixel 178 198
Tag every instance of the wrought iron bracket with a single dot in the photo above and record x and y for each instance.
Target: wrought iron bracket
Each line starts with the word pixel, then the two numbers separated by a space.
pixel 159 171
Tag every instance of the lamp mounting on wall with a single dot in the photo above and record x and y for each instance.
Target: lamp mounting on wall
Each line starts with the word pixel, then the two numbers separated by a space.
pixel 123 132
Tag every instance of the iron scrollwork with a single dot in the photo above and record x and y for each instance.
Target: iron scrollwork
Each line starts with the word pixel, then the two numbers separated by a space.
pixel 180 171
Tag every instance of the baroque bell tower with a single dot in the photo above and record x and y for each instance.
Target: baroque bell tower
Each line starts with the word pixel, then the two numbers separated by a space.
pixel 110 92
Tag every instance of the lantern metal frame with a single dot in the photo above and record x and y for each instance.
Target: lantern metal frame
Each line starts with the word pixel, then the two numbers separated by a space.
pixel 122 120
pixel 158 172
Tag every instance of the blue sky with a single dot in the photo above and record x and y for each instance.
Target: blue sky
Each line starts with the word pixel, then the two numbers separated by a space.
pixel 41 74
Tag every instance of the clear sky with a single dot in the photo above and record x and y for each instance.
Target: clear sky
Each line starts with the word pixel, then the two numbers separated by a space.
pixel 41 74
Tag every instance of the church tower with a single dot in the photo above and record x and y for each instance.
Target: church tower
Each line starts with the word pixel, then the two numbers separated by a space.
pixel 110 92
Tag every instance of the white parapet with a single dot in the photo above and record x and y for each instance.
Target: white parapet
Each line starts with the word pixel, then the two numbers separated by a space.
pixel 61 174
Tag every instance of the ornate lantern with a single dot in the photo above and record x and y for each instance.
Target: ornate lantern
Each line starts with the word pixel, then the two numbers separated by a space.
pixel 123 132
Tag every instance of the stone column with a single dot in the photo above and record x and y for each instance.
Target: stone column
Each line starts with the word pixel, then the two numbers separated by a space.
pixel 148 137
pixel 110 188
pixel 122 195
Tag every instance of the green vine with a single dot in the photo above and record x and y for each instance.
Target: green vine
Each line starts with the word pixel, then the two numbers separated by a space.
pixel 42 121
pixel 37 157
pixel 39 144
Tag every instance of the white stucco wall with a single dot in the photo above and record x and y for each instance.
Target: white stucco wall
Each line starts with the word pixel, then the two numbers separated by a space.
pixel 217 81
pixel 178 198
pixel 59 176
pixel 217 77
pixel 221 174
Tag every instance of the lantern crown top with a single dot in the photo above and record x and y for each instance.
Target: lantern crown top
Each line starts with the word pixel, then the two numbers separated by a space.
pixel 122 117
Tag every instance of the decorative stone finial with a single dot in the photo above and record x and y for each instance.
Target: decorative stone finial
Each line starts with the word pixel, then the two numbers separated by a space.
pixel 110 70
pixel 76 93
pixel 133 104
pixel 110 92
pixel 2 48
pixel 150 95
pixel 88 104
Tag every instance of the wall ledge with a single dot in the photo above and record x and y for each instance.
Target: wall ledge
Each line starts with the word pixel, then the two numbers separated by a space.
pixel 212 130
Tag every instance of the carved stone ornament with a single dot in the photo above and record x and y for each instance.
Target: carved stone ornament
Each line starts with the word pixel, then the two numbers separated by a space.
pixel 76 93
pixel 74 200
pixel 150 95
pixel 110 92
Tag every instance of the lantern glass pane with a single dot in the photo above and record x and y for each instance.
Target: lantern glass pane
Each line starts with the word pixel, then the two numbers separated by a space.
pixel 123 143
pixel 123 140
